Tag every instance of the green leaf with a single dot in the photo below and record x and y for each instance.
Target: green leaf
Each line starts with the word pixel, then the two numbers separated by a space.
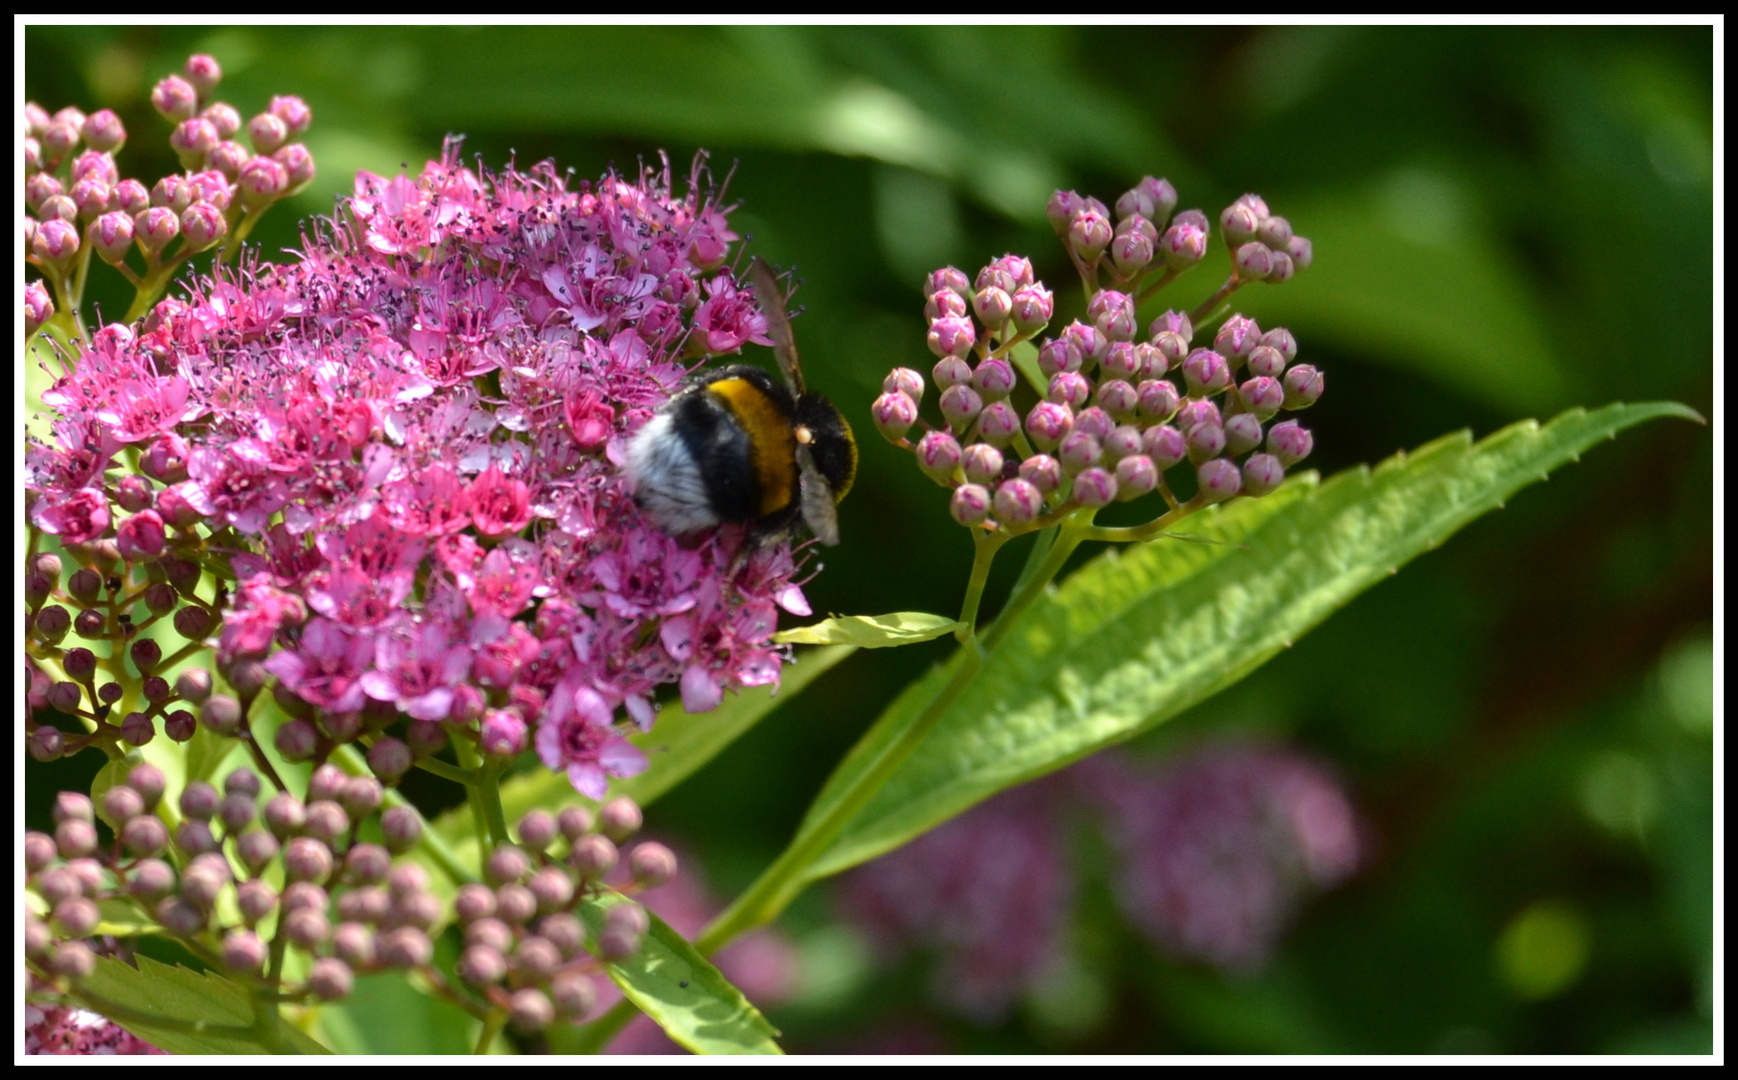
pixel 1142 633
pixel 676 747
pixel 871 631
pixel 182 1011
pixel 680 990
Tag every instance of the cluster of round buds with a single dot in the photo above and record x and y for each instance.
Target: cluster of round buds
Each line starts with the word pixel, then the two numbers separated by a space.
pixel 90 663
pixel 1116 410
pixel 234 872
pixel 77 201
pixel 526 950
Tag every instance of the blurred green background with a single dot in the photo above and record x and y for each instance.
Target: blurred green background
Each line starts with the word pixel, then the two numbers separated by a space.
pixel 1506 223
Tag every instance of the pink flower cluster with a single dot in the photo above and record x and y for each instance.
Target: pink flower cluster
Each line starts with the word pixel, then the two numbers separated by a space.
pixel 75 1032
pixel 406 448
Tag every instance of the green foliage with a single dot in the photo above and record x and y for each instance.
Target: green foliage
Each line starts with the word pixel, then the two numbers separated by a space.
pixel 1138 636
pixel 185 1012
pixel 677 987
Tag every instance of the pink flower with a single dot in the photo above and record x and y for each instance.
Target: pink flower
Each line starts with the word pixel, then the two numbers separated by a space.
pixel 80 516
pixel 575 736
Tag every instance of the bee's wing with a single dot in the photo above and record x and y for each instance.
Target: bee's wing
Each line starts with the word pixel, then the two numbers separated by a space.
pixel 778 322
pixel 819 510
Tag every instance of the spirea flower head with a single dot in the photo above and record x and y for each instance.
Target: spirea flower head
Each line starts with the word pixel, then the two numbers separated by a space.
pixel 405 451
pixel 1118 414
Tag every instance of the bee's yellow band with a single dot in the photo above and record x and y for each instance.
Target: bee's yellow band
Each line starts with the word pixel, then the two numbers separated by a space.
pixel 769 432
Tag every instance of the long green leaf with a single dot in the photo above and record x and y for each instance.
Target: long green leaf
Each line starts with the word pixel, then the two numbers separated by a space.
pixel 871 631
pixel 183 1011
pixel 682 992
pixel 677 746
pixel 1141 634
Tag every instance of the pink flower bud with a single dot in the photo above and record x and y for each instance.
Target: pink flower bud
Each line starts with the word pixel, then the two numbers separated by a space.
pixel 224 118
pixel 103 130
pixel 1238 223
pixel 299 164
pixel 130 197
pixel 1017 502
pixel 1069 388
pixel 1089 234
pixel 1061 208
pixel 1298 247
pixel 173 191
pixel 55 242
pixel 1118 398
pixel 951 371
pixel 1266 361
pixel 946 304
pixel 904 381
pixel 211 186
pixel 1183 245
pixel 156 227
pixel 994 379
pixel 1095 487
pixel 1164 445
pixel 203 225
pixel 1131 253
pixel 1263 395
pixel 998 423
pixel 1275 232
pixel 982 463
pixel 192 140
pixel 994 276
pixel 1121 441
pixel 203 72
pixel 894 414
pixel 960 405
pixel 970 505
pixel 1033 306
pixel 1088 339
pixel 1136 475
pixel 1079 450
pixel 267 132
pixel 58 208
pixel 1303 386
pixel 1156 401
pixel 1242 434
pixel 227 158
pixel 1043 472
pixel 90 196
pixel 1205 441
pixel 1289 443
pixel 262 182
pixel 993 307
pixel 1254 261
pixel 1282 270
pixel 947 279
pixel 1059 355
pixel 39 189
pixel 59 139
pixel 1218 479
pixel 1151 199
pixel 1048 423
pixel 1206 372
pixel 938 455
pixel 38 307
pixel 294 112
pixel 1261 474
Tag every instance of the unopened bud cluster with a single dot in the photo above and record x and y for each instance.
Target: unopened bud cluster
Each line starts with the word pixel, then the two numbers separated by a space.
pixel 1122 407
pixel 77 202
pixel 237 870
pixel 526 950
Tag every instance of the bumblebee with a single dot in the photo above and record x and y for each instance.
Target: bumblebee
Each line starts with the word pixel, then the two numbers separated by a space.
pixel 738 445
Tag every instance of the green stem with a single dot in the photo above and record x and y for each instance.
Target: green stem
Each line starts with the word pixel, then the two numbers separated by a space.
pixel 1152 529
pixel 492 1025
pixel 441 769
pixel 484 794
pixel 1074 529
pixel 1198 317
pixel 783 880
pixel 986 546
